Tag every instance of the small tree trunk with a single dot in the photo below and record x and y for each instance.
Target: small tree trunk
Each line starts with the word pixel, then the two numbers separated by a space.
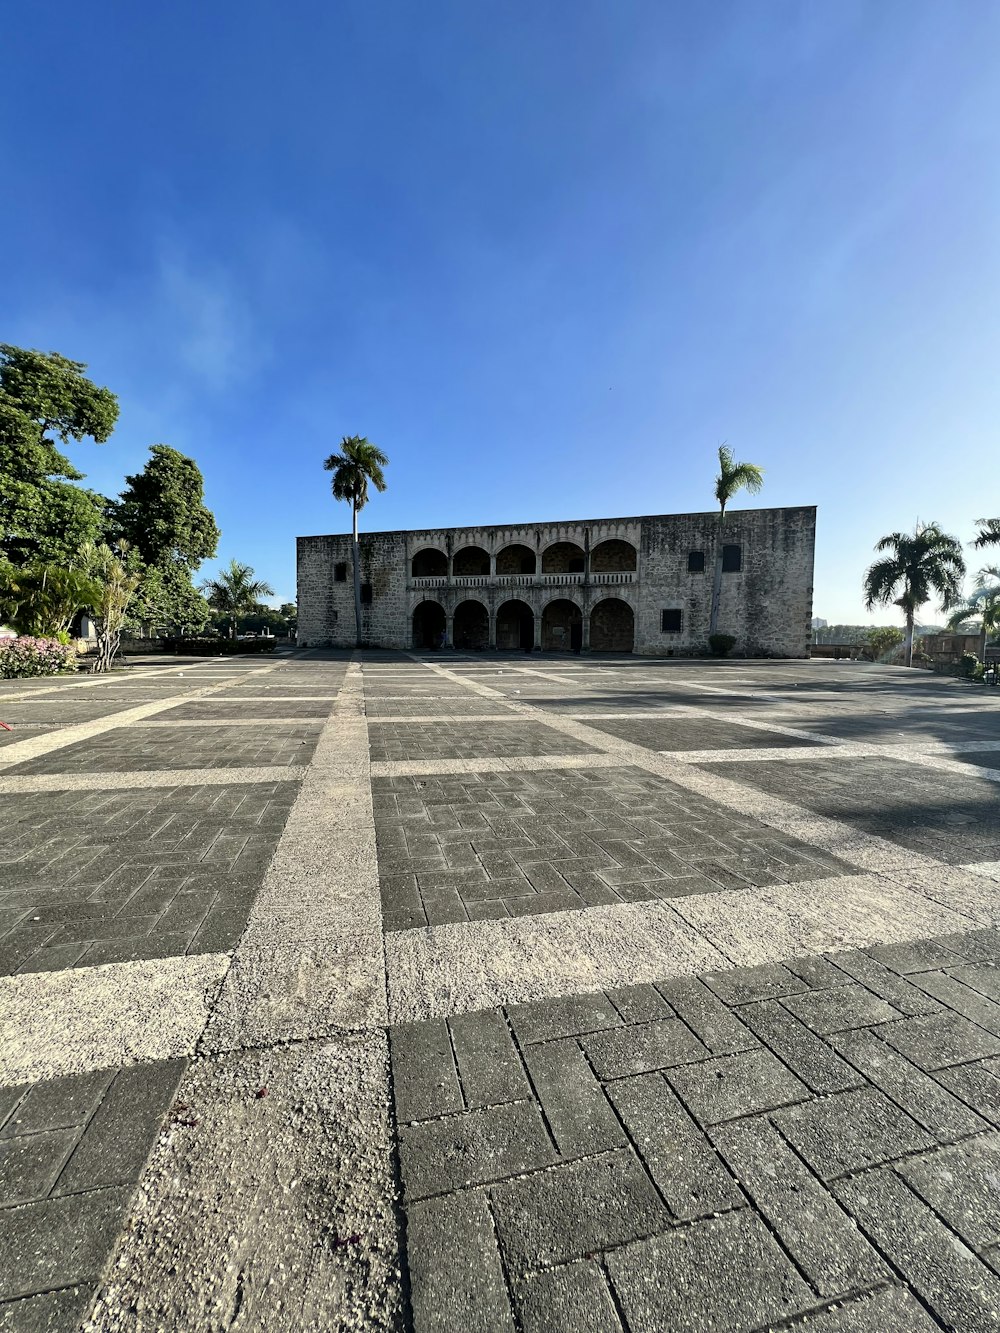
pixel 982 642
pixel 713 620
pixel 356 554
pixel 909 638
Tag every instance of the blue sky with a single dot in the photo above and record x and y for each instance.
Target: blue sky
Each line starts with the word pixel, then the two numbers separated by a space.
pixel 546 255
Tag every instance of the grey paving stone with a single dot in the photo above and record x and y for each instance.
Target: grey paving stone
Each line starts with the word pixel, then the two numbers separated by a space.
pixel 978 1085
pixel 726 1273
pixel 956 995
pixel 742 985
pixel 456 1281
pixel 58 1103
pixel 882 981
pixel 472 1148
pixel 575 1209
pixel 962 1185
pixel 914 956
pixel 9 1099
pixel 59 1242
pixel 976 946
pixel 639 1004
pixel 962 1291
pixel 850 1006
pixel 544 1020
pixel 30 1165
pixel 716 1025
pixel 117 1140
pixel 891 1310
pixel 573 1102
pixel 824 1240
pixel 489 1066
pixel 924 1098
pixel 735 1085
pixel 806 1055
pixel 981 977
pixel 50 1312
pixel 567 1300
pixel 939 1039
pixel 850 1131
pixel 424 1078
pixel 623 1052
pixel 817 973
pixel 682 1162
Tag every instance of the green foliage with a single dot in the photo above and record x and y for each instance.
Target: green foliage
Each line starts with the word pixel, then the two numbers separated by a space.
pixel 235 592
pixel 981 609
pixel 45 398
pixel 43 599
pixel 167 599
pixel 882 640
pixel 359 463
pixel 989 532
pixel 970 665
pixel 161 513
pixel 119 573
pixel 721 644
pixel 920 563
pixel 735 477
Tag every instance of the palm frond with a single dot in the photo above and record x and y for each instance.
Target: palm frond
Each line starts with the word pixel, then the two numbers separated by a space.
pixel 989 532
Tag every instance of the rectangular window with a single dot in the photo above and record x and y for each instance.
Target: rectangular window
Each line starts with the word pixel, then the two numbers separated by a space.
pixel 670 622
pixel 696 562
pixel 366 594
pixel 732 559
pixel 340 572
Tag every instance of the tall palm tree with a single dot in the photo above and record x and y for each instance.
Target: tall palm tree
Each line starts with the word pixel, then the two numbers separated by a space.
pixel 982 604
pixel 732 477
pixel 235 592
pixel 358 464
pixel 923 562
pixel 989 532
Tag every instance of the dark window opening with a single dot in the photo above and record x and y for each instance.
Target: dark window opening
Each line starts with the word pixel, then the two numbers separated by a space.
pixel 366 594
pixel 340 572
pixel 670 622
pixel 732 559
pixel 696 562
pixel 576 565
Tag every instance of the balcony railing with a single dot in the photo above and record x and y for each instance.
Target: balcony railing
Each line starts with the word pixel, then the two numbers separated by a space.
pixel 521 580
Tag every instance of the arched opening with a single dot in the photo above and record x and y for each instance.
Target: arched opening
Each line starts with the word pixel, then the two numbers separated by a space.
pixel 515 627
pixel 428 627
pixel 612 557
pixel 562 627
pixel 471 560
pixel 563 558
pixel 471 627
pixel 612 627
pixel 516 559
pixel 430 563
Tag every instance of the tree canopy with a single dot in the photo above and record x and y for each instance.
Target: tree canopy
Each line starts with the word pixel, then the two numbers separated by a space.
pixel 161 512
pixel 919 564
pixel 735 477
pixel 235 591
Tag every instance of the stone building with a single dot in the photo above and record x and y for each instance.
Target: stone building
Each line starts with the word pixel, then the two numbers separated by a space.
pixel 639 585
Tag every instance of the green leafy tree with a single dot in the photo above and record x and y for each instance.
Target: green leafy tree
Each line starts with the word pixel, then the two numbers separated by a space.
pixel 982 606
pixel 882 640
pixel 43 599
pixel 733 477
pixel 162 515
pixel 989 532
pixel 46 400
pixel 919 564
pixel 118 572
pixel 234 592
pixel 358 465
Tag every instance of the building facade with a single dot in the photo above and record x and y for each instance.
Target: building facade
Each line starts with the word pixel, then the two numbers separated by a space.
pixel 620 585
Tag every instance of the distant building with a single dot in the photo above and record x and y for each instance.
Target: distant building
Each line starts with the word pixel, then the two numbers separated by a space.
pixel 818 623
pixel 639 585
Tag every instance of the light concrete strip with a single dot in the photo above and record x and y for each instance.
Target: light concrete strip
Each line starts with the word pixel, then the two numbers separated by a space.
pixel 154 777
pixel 971 890
pixel 988 868
pixel 273 1212
pixel 408 768
pixel 260 722
pixel 54 1023
pixel 89 682
pixel 779 753
pixel 311 960
pixel 451 719
pixel 478 964
pixel 37 746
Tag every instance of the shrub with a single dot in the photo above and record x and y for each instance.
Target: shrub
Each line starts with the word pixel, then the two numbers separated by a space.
pixel 721 644
pixel 218 647
pixel 28 656
pixel 969 665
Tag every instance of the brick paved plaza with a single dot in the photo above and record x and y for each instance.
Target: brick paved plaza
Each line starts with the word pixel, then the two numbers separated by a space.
pixel 536 994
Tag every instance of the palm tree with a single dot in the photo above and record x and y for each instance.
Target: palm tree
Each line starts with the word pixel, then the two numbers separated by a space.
pixel 923 562
pixel 235 592
pixel 989 532
pixel 358 463
pixel 982 604
pixel 732 477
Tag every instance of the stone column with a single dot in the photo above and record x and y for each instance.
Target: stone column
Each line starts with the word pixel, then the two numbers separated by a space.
pixel 538 632
pixel 585 626
pixel 493 629
pixel 449 629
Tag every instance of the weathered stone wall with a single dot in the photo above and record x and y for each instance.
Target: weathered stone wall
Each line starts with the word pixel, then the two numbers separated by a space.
pixel 766 604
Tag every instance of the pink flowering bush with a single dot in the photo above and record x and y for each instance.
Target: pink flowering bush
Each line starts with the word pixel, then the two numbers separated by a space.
pixel 29 656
